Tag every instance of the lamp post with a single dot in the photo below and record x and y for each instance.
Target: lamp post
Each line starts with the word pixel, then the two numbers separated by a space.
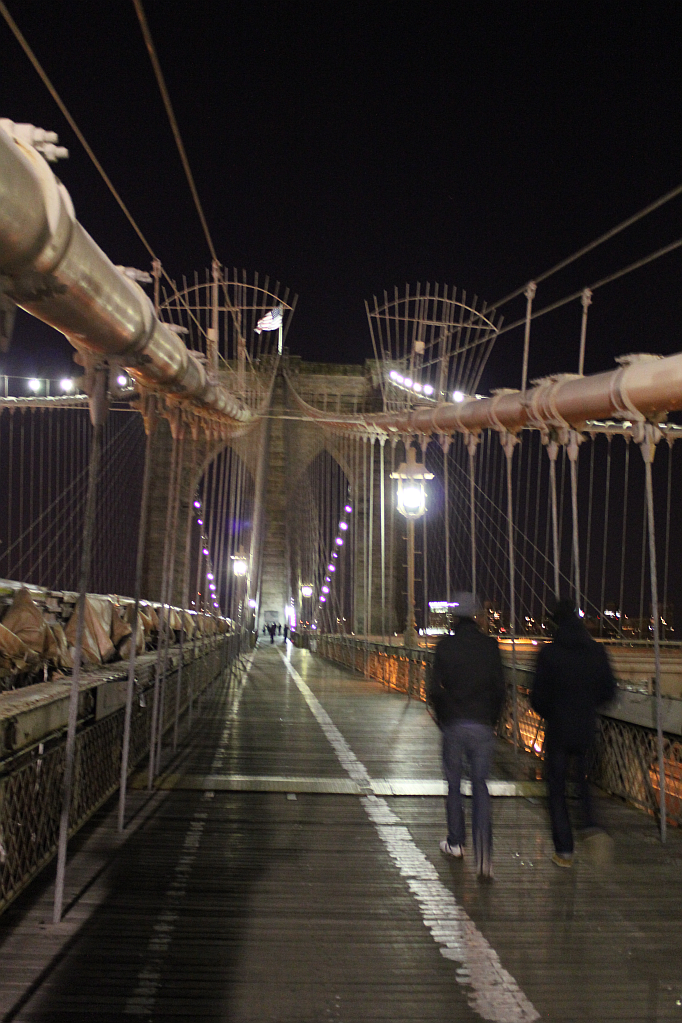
pixel 411 501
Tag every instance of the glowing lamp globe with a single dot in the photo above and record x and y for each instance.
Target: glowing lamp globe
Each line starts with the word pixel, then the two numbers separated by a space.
pixel 411 477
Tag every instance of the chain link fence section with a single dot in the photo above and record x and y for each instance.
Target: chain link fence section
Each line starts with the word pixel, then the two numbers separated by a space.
pixel 31 780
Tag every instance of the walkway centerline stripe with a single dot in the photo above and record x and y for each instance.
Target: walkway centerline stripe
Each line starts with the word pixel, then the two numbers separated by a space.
pixel 492 992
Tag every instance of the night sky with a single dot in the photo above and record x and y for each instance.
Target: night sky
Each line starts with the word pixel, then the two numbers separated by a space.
pixel 346 148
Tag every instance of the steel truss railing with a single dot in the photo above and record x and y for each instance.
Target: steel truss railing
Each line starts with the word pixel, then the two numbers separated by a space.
pixel 625 757
pixel 31 780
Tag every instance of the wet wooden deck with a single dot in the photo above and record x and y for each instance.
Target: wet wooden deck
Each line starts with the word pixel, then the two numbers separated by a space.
pixel 274 877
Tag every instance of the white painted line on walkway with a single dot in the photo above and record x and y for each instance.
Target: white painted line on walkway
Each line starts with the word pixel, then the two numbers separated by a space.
pixel 492 991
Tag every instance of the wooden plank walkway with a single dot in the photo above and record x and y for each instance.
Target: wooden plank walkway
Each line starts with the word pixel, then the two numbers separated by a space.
pixel 289 904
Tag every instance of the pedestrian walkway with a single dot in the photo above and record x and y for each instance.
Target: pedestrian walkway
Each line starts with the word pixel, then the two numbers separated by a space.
pixel 274 876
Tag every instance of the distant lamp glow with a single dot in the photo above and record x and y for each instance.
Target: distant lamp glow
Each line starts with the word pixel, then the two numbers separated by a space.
pixel 200 522
pixel 323 600
pixel 211 586
pixel 417 388
pixel 399 378
pixel 327 579
pixel 408 382
pixel 334 554
pixel 339 541
pixel 343 525
pixel 394 375
pixel 332 568
pixel 306 591
pixel 252 602
pixel 34 385
pixel 66 384
pixel 348 509
pixel 122 379
pixel 240 567
pixel 458 396
pixel 209 575
pixel 428 389
pixel 197 504
pixel 205 550
pixel 325 589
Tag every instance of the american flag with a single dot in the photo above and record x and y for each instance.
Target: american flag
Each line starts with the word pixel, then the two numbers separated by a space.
pixel 271 320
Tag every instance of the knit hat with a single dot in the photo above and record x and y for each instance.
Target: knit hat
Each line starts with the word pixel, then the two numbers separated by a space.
pixel 465 605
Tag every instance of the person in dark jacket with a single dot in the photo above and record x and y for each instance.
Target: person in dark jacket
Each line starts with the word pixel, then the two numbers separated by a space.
pixel 466 690
pixel 573 677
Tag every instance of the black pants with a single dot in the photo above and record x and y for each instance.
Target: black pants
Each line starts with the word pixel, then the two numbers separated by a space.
pixel 557 761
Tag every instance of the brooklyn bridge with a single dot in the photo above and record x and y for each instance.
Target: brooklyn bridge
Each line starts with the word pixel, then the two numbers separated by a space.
pixel 224 571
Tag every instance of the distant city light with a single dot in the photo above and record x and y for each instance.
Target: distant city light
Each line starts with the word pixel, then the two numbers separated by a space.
pixel 66 384
pixel 34 385
pixel 458 396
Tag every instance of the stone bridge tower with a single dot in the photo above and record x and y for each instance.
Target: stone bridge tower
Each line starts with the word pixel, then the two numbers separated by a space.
pixel 289 443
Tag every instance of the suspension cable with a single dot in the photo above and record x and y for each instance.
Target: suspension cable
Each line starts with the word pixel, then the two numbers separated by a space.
pixel 42 74
pixel 149 42
pixel 593 287
pixel 591 245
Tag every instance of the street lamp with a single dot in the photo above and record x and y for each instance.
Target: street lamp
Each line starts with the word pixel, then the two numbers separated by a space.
pixel 411 501
pixel 240 567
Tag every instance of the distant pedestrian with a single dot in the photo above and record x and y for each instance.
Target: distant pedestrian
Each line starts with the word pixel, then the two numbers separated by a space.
pixel 573 677
pixel 466 690
pixel 272 629
pixel 286 632
pixel 279 628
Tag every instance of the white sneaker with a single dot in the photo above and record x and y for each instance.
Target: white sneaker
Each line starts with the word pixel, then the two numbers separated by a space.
pixel 451 850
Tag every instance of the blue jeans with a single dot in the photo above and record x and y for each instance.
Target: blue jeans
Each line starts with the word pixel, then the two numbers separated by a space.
pixel 475 742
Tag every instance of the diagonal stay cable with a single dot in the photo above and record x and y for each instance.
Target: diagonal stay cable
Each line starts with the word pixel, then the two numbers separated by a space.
pixel 628 222
pixel 151 49
pixel 598 284
pixel 42 74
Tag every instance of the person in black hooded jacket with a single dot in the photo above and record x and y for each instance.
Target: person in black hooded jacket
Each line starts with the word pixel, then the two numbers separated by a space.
pixel 573 677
